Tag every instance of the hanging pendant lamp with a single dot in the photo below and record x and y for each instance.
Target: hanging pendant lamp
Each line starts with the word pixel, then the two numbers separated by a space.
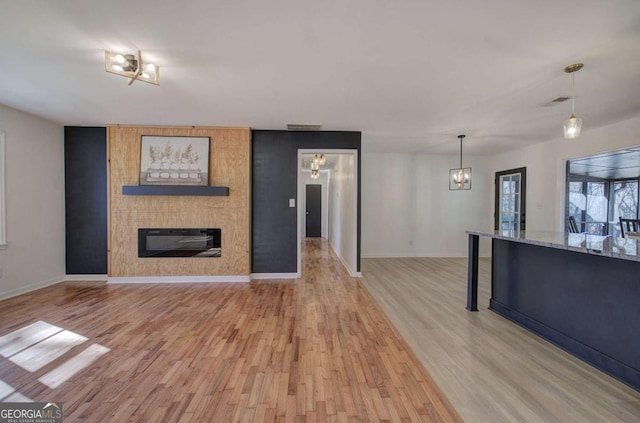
pixel 460 178
pixel 573 125
pixel 319 159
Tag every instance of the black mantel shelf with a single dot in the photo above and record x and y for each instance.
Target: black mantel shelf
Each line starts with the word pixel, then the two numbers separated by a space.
pixel 174 190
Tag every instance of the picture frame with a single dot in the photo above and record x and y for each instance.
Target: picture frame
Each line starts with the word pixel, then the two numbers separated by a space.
pixel 174 160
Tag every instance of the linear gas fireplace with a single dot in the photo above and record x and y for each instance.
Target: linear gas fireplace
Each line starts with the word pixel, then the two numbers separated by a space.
pixel 179 242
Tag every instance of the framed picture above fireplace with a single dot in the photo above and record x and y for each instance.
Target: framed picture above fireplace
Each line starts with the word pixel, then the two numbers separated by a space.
pixel 166 160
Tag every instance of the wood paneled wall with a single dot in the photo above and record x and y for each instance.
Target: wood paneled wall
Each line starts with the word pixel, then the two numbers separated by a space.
pixel 229 165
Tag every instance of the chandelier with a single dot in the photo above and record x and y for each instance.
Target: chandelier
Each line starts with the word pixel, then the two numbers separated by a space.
pixel 460 178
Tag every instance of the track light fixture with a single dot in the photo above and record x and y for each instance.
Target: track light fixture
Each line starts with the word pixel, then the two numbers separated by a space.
pixel 132 67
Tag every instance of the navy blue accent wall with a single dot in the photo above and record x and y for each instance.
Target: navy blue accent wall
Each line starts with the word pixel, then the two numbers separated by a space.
pixel 85 167
pixel 274 180
pixel 584 303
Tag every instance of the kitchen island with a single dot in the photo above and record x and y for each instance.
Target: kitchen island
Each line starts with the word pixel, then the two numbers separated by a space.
pixel 578 291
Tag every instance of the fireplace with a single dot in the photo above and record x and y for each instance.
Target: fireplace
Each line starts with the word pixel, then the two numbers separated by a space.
pixel 179 242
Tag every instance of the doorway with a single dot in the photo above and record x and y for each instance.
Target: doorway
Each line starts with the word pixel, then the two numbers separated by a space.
pixel 510 200
pixel 339 198
pixel 313 213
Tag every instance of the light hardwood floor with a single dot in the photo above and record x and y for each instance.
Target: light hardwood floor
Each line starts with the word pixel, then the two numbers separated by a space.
pixel 490 369
pixel 311 350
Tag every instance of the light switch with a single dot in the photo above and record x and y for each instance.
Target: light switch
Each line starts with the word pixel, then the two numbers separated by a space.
pixel 292 202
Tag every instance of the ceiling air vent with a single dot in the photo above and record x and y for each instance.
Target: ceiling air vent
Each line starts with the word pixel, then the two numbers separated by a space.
pixel 556 101
pixel 302 127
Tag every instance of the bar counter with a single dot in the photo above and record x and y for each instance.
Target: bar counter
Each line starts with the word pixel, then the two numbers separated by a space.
pixel 623 248
pixel 578 291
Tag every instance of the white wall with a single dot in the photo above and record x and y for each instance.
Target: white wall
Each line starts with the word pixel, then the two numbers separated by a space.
pixel 388 209
pixel 545 165
pixel 408 210
pixel 323 180
pixel 35 255
pixel 341 211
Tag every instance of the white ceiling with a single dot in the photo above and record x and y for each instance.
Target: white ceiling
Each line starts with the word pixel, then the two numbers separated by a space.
pixel 411 75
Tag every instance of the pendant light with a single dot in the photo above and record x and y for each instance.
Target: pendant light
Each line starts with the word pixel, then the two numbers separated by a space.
pixel 573 125
pixel 319 159
pixel 315 169
pixel 460 178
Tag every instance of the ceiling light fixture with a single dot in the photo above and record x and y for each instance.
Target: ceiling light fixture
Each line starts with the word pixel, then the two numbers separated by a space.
pixel 132 67
pixel 460 178
pixel 319 159
pixel 315 174
pixel 573 125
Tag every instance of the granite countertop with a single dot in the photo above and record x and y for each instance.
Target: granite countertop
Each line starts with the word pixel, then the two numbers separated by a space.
pixel 623 248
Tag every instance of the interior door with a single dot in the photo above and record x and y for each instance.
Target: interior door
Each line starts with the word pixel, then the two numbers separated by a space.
pixel 510 213
pixel 314 211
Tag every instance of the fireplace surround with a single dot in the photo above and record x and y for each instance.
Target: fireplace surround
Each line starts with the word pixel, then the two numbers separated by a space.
pixel 179 242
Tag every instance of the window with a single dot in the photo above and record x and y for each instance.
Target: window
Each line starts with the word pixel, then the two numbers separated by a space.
pixel 577 202
pixel 601 189
pixel 597 206
pixel 589 205
pixel 3 232
pixel 510 199
pixel 624 203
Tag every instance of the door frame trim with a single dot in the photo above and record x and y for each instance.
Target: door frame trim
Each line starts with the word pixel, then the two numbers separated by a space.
pixel 523 195
pixel 351 267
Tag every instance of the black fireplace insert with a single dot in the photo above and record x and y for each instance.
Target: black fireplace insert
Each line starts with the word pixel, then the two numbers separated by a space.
pixel 179 242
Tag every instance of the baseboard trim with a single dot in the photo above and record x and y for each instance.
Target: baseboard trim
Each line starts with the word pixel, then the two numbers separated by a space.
pixel 374 256
pixel 91 278
pixel 30 287
pixel 275 276
pixel 177 279
pixel 350 271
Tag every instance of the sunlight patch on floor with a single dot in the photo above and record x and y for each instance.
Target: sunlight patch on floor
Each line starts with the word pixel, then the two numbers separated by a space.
pixel 39 355
pixel 26 337
pixel 17 397
pixel 68 369
pixel 5 390
pixel 39 344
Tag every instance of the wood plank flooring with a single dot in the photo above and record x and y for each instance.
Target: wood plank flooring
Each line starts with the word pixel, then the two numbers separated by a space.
pixel 490 369
pixel 311 350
